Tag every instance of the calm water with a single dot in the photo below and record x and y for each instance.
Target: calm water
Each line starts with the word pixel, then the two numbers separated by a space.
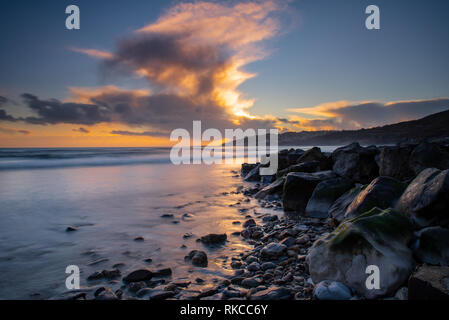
pixel 112 196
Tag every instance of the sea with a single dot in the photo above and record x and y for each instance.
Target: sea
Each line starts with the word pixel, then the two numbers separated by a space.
pixel 112 196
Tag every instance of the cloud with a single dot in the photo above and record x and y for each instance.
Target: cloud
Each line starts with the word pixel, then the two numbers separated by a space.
pixel 157 113
pixel 4 116
pixel 346 116
pixel 145 133
pixel 198 50
pixel 54 111
pixel 13 131
pixel 82 130
pixel 94 53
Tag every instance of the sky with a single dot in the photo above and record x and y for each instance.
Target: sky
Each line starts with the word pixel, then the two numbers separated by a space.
pixel 136 70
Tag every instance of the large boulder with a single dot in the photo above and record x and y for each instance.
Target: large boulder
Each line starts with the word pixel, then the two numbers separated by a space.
pixel 325 194
pixel 429 155
pixel 377 238
pixel 394 162
pixel 356 162
pixel 429 283
pixel 338 209
pixel 315 154
pixel 382 192
pixel 426 201
pixel 271 189
pixel 309 167
pixel 298 188
pixel 432 246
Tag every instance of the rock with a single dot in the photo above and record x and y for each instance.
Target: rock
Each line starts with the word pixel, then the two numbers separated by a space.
pixel 272 251
pixel 248 223
pixel 251 282
pixel 382 192
pixel 254 266
pixel 253 175
pixel 429 155
pixel 138 275
pixel 71 228
pixel 271 189
pixel 268 265
pixel 167 215
pixel 104 293
pixel 377 238
pixel 325 194
pixel 272 293
pixel 136 286
pixel 356 163
pixel 394 162
pixel 401 294
pixel 338 209
pixel 331 290
pixel 298 188
pixel 236 264
pixel 162 272
pixel 111 274
pixel 213 238
pixel 429 283
pixel 159 294
pixel 307 167
pixel 432 246
pixel 314 154
pixel 303 239
pixel 246 168
pixel 198 258
pixel 425 200
pixel 139 238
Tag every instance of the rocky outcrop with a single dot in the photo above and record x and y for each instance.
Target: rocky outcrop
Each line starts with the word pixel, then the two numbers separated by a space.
pixel 298 188
pixel 429 283
pixel 356 162
pixel 429 155
pixel 394 162
pixel 432 246
pixel 382 192
pixel 426 201
pixel 325 194
pixel 338 209
pixel 377 238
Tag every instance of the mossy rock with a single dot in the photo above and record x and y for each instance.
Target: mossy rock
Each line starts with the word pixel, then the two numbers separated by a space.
pixel 377 237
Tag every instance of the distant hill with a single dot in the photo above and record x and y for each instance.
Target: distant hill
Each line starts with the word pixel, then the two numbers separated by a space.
pixel 432 126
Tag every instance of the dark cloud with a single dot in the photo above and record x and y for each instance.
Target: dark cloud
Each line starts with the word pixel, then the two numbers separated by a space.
pixel 160 112
pixel 370 114
pixel 373 114
pixel 82 130
pixel 169 61
pixel 53 112
pixel 145 133
pixel 6 117
pixel 3 100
